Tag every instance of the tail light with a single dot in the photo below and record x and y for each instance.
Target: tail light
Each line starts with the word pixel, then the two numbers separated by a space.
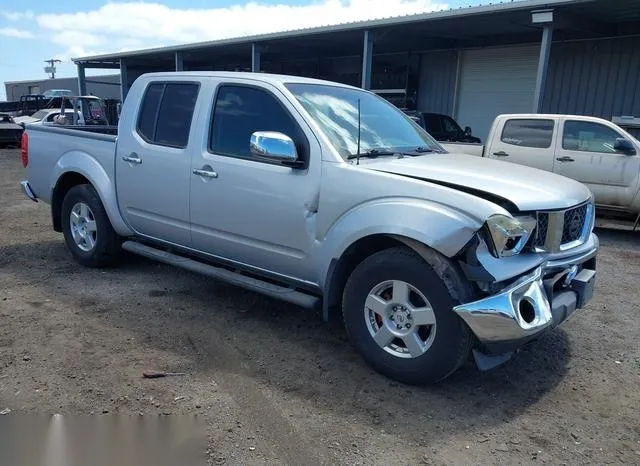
pixel 24 149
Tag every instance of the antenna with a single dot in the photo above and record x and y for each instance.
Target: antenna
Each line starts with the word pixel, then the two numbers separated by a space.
pixel 358 153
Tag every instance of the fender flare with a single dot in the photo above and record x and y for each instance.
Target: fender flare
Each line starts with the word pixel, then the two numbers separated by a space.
pixel 429 229
pixel 84 164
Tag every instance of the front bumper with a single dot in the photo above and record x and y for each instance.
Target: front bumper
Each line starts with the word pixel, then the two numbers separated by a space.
pixel 533 304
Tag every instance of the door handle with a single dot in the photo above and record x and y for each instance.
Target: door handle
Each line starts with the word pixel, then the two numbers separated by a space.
pixel 501 154
pixel 132 158
pixel 565 159
pixel 205 173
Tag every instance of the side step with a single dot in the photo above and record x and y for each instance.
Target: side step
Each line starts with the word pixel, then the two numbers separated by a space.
pixel 269 289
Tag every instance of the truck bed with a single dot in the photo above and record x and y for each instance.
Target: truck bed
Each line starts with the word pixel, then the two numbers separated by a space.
pixel 52 148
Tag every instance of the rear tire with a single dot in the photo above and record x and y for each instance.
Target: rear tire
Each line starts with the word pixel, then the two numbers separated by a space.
pixel 87 230
pixel 398 314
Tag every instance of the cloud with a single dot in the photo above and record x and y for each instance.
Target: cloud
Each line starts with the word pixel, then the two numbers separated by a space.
pixel 134 25
pixel 17 33
pixel 17 15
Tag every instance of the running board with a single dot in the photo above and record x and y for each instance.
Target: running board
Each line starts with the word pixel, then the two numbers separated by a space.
pixel 289 295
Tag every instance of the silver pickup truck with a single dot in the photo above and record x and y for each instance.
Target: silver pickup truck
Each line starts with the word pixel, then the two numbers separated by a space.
pixel 326 196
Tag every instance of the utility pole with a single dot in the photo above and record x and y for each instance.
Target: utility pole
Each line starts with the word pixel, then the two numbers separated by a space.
pixel 52 67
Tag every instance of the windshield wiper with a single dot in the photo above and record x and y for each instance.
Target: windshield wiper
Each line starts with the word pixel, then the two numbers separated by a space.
pixel 372 153
pixel 422 150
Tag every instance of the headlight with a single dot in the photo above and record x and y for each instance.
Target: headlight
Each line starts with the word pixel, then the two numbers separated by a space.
pixel 509 235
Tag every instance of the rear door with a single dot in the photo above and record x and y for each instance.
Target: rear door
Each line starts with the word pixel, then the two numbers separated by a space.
pixel 585 153
pixel 153 164
pixel 525 141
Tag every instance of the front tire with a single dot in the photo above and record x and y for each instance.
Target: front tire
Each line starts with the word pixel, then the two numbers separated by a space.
pixel 87 230
pixel 398 314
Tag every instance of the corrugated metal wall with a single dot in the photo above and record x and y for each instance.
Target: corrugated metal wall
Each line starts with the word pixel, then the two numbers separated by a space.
pixel 437 81
pixel 598 78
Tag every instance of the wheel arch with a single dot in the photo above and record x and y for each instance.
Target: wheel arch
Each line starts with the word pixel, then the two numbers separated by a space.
pixel 341 268
pixel 76 168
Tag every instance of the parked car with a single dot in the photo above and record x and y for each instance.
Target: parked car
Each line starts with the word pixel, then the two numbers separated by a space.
pixel 591 150
pixel 443 127
pixel 46 116
pixel 325 195
pixel 10 132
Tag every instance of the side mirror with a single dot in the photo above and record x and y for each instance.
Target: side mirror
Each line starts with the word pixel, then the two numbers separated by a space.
pixel 624 146
pixel 467 130
pixel 274 146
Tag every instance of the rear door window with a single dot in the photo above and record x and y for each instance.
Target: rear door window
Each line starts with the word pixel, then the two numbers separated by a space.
pixel 167 112
pixel 528 133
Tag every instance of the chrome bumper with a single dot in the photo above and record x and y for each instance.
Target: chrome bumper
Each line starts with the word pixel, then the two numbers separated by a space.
pixel 534 303
pixel 26 188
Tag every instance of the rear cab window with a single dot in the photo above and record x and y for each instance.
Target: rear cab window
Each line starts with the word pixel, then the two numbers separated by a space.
pixel 166 113
pixel 536 133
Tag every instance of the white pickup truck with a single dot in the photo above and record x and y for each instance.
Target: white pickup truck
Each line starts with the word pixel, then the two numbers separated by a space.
pixel 327 196
pixel 591 150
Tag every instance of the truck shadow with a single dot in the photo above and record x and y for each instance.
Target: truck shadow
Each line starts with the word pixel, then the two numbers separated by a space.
pixel 227 331
pixel 619 237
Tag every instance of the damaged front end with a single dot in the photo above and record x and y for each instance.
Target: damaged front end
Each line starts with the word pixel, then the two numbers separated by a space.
pixel 522 295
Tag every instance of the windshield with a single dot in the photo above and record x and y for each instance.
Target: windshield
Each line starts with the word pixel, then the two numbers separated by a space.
pixel 383 127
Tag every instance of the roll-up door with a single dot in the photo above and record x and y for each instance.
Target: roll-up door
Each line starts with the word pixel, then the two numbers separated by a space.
pixel 495 81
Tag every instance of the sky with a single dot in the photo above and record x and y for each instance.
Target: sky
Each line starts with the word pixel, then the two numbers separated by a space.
pixel 36 30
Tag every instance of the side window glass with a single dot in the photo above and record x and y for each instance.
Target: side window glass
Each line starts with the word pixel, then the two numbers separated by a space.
pixel 587 136
pixel 239 111
pixel 149 111
pixel 528 133
pixel 166 113
pixel 433 124
pixel 450 126
pixel 175 114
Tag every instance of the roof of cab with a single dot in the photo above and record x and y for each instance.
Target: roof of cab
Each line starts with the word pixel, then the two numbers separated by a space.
pixel 262 77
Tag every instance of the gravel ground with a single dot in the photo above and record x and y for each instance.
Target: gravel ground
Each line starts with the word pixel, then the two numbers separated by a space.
pixel 275 385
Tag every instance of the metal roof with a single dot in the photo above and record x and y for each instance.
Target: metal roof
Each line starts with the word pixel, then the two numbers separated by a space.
pixel 506 6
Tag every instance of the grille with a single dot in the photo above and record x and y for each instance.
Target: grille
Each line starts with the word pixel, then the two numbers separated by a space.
pixel 573 223
pixel 541 230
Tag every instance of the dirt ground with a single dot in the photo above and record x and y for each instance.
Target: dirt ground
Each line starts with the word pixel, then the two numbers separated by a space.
pixel 276 385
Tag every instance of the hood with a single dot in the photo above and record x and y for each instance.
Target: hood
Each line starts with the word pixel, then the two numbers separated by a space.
pixel 526 188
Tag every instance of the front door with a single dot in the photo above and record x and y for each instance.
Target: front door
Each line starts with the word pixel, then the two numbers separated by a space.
pixel 586 153
pixel 247 210
pixel 153 164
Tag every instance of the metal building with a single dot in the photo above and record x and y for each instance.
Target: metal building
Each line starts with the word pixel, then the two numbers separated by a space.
pixel 559 56
pixel 107 86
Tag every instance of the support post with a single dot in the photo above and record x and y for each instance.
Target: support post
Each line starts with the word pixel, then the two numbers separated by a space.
pixel 544 18
pixel 367 58
pixel 124 80
pixel 255 58
pixel 179 61
pixel 82 80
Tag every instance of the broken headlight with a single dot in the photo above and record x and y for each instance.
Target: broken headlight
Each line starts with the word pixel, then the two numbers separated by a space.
pixel 507 236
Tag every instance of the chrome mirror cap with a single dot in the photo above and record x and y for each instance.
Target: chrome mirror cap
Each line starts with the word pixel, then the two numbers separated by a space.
pixel 273 145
